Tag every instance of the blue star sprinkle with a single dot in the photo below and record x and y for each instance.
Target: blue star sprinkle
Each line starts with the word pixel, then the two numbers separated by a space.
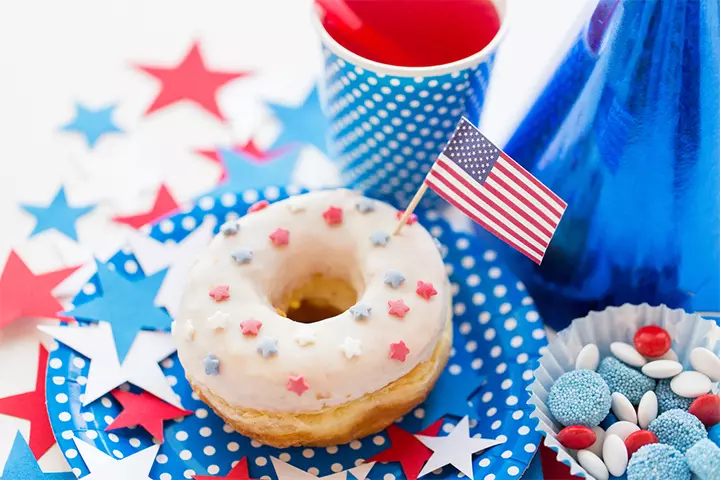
pixel 211 364
pixel 128 306
pixel 360 311
pixel 244 172
pixel 267 346
pixel 305 124
pixel 380 239
pixel 242 256
pixel 394 278
pixel 92 124
pixel 57 216
pixel 230 228
pixel 365 205
pixel 451 394
pixel 21 464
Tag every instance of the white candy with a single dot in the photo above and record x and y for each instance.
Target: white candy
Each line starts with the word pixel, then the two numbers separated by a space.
pixel 705 361
pixel 622 429
pixel 627 353
pixel 662 369
pixel 690 384
pixel 615 455
pixel 588 358
pixel 622 408
pixel 669 355
pixel 647 409
pixel 597 447
pixel 593 465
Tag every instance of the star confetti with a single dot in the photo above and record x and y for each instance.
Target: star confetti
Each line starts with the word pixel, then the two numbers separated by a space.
pixel 164 205
pixel 238 472
pixel 243 173
pixel 250 151
pixel 407 449
pixel 92 123
pixel 144 410
pixel 297 384
pixel 104 467
pixel 190 80
pixel 456 449
pixel 451 393
pixel 30 406
pixel 397 308
pixel 220 293
pixel 399 351
pixel 285 471
pixel 280 237
pixel 305 124
pixel 250 326
pixel 25 294
pixel 21 465
pixel 57 216
pixel 333 215
pixel 425 289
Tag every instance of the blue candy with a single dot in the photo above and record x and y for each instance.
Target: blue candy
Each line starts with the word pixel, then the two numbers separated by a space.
pixel 669 400
pixel 704 460
pixel 621 378
pixel 658 462
pixel 609 420
pixel 714 434
pixel 580 397
pixel 679 429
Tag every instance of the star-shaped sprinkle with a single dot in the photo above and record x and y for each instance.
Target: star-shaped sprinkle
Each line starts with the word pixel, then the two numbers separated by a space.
pixel 456 449
pixel 21 464
pixel 425 289
pixel 380 239
pixel 295 206
pixel 267 346
pixel 163 205
pixel 220 293
pixel 393 278
pixel 411 219
pixel 257 206
pixel 230 228
pixel 218 320
pixel 333 215
pixel 92 123
pixel 242 256
pixel 189 330
pixel 297 384
pixel 280 237
pixel 365 205
pixel 211 364
pixel 57 216
pixel 104 467
pixel 407 450
pixel 351 347
pixel 360 311
pixel 399 351
pixel 305 337
pixel 144 410
pixel 397 308
pixel 250 326
pixel 238 472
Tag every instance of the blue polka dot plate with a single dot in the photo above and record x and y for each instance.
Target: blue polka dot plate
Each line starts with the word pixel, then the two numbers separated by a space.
pixel 498 336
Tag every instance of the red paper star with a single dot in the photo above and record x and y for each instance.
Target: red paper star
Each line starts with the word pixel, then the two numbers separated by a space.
pixel 239 472
pixel 397 308
pixel 164 204
pixel 297 384
pixel 257 206
pixel 251 326
pixel 220 293
pixel 407 449
pixel 333 215
pixel 411 219
pixel 31 406
pixel 399 351
pixel 425 289
pixel 250 149
pixel 145 410
pixel 280 237
pixel 24 294
pixel 190 80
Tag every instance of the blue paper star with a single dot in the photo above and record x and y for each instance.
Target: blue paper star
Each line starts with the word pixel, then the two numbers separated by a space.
pixel 245 173
pixel 379 239
pixel 242 256
pixel 211 364
pixel 394 278
pixel 92 124
pixel 21 464
pixel 58 215
pixel 450 395
pixel 306 124
pixel 127 306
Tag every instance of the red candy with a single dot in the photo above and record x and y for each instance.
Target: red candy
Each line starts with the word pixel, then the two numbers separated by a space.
pixel 638 439
pixel 577 437
pixel 707 409
pixel 652 341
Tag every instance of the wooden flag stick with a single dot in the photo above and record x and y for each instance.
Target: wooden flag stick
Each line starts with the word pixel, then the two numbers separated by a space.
pixel 414 203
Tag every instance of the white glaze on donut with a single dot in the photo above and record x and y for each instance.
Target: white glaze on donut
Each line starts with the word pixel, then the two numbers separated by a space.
pixel 317 351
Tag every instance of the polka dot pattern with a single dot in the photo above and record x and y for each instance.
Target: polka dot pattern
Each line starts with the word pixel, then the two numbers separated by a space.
pixel 203 443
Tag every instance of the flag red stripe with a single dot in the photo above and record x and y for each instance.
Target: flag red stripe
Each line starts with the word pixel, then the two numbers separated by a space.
pixel 527 203
pixel 558 206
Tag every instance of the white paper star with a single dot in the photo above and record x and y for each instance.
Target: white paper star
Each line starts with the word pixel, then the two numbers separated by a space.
pixel 305 337
pixel 285 471
pixel 351 347
pixel 104 467
pixel 139 368
pixel 456 449
pixel 154 256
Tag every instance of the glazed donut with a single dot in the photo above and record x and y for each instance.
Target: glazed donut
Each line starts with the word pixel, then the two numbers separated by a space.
pixel 306 322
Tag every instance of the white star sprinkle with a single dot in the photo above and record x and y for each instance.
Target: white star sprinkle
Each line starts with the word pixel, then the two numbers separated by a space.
pixel 305 337
pixel 218 320
pixel 189 330
pixel 351 347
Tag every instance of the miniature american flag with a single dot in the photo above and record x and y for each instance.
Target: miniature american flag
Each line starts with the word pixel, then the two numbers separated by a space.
pixel 492 189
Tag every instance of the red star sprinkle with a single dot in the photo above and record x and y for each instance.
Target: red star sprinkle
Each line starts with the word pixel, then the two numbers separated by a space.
pixel 397 308
pixel 411 219
pixel 425 289
pixel 251 326
pixel 257 206
pixel 24 294
pixel 190 80
pixel 250 149
pixel 333 216
pixel 408 450
pixel 164 204
pixel 399 351
pixel 297 384
pixel 220 293
pixel 145 410
pixel 31 407
pixel 239 472
pixel 280 237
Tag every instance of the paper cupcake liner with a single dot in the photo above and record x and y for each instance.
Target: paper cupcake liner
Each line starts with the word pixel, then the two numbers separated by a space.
pixel 614 324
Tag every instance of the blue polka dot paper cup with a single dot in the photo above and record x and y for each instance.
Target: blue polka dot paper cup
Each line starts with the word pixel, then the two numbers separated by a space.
pixel 615 324
pixel 389 123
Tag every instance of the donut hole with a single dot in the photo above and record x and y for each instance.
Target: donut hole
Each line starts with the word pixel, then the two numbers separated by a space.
pixel 316 298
